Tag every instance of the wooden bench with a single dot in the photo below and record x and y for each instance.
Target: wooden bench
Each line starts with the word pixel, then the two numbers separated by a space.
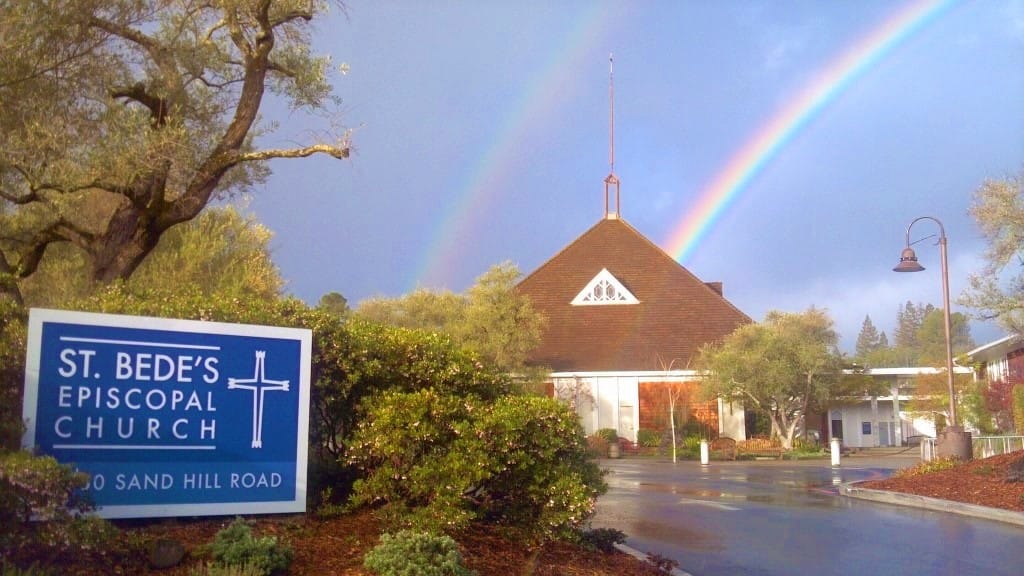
pixel 723 448
pixel 759 447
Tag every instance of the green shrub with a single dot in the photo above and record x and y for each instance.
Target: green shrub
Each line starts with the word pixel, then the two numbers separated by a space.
pixel 437 462
pixel 691 444
pixel 409 553
pixel 237 546
pixel 648 438
pixel 603 539
pixel 609 434
pixel 934 465
pixel 39 500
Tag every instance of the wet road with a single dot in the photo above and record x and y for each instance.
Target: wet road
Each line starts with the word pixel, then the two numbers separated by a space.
pixel 784 518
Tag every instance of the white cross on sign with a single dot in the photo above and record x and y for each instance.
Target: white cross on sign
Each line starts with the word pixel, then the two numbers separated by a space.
pixel 259 386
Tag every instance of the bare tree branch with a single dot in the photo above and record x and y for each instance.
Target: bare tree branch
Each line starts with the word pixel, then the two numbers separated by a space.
pixel 339 152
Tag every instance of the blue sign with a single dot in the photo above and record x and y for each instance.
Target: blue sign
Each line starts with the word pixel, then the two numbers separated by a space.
pixel 171 417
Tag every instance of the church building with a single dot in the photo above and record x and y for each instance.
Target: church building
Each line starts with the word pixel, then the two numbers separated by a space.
pixel 625 323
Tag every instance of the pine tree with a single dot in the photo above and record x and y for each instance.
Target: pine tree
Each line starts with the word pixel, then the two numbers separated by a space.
pixel 907 324
pixel 868 340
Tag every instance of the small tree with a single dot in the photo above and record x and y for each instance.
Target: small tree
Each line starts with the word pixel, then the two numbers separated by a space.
pixel 782 365
pixel 998 400
pixel 931 394
pixel 491 318
pixel 997 291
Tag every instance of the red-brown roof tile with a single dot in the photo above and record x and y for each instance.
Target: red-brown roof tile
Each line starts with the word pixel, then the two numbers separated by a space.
pixel 676 315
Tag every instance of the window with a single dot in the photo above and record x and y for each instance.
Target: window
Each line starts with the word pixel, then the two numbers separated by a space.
pixel 604 289
pixel 865 428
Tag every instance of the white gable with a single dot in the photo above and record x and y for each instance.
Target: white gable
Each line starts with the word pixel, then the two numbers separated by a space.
pixel 604 289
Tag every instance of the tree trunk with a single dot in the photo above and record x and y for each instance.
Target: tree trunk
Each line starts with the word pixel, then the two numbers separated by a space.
pixel 129 238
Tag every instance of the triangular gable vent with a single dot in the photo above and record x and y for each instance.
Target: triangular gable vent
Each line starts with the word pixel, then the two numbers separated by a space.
pixel 604 289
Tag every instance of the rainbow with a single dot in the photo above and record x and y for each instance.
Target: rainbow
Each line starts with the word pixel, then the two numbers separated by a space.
pixel 769 139
pixel 486 171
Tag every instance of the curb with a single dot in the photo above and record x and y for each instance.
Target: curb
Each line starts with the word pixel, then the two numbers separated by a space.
pixel 851 490
pixel 646 558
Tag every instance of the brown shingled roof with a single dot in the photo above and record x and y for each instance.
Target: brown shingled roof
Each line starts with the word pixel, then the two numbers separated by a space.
pixel 676 315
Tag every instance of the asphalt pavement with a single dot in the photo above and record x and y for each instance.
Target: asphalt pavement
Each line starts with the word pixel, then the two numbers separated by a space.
pixel 785 517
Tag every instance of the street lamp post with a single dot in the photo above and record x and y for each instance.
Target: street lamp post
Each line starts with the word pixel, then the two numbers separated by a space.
pixel 953 441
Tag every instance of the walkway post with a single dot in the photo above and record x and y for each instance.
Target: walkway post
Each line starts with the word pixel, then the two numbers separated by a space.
pixel 835 452
pixel 703 452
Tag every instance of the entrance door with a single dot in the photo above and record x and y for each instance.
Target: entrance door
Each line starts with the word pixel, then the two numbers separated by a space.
pixel 837 429
pixel 886 430
pixel 626 429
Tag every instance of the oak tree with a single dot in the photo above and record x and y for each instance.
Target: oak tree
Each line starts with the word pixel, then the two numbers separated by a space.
pixel 124 118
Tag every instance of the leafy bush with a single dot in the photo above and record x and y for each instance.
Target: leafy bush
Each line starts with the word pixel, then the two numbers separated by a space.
pixel 691 444
pixel 603 539
pixel 237 546
pixel 609 434
pixel 38 501
pixel 597 446
pixel 648 438
pixel 406 447
pixel 437 462
pixel 409 553
pixel 806 446
pixel 934 465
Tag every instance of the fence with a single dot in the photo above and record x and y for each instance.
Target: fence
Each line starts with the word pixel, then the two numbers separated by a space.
pixel 984 446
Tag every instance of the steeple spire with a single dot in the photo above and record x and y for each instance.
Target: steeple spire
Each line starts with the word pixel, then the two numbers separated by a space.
pixel 611 179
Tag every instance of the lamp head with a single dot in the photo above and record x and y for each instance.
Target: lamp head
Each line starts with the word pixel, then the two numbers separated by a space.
pixel 908 262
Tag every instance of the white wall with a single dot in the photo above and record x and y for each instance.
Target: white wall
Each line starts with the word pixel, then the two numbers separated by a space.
pixel 731 420
pixel 857 418
pixel 603 402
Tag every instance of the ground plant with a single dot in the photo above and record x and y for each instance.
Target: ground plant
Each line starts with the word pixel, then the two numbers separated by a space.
pixel 603 539
pixel 411 553
pixel 238 547
pixel 934 465
pixel 648 438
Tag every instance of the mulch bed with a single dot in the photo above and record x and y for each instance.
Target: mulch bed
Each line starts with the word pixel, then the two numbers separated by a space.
pixel 336 546
pixel 981 481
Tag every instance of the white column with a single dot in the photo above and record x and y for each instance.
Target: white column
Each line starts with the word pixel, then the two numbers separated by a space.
pixel 874 421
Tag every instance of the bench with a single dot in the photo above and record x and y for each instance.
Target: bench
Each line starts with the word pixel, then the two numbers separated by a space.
pixel 759 447
pixel 723 447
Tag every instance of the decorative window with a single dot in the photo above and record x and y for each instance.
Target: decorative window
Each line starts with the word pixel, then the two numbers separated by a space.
pixel 604 289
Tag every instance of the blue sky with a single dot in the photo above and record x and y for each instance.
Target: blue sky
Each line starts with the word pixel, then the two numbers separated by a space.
pixel 481 135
